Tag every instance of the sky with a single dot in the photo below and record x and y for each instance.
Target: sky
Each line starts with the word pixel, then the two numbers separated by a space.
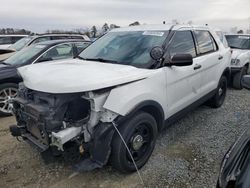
pixel 41 15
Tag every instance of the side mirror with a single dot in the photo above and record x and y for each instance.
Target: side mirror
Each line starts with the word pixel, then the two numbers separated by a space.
pixel 156 53
pixel 181 60
pixel 246 81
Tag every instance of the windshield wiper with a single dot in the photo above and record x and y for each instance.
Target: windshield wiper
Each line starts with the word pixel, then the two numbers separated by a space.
pixel 99 60
pixel 5 63
pixel 235 47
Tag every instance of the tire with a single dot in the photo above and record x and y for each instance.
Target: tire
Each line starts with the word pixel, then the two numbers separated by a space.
pixel 8 91
pixel 218 99
pixel 237 79
pixel 141 125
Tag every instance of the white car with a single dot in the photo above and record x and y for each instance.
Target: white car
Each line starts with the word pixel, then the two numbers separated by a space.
pixel 240 45
pixel 136 80
pixel 7 40
pixel 34 39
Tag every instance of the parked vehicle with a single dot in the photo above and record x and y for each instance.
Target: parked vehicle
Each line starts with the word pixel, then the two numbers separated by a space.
pixel 222 37
pixel 130 83
pixel 7 40
pixel 34 39
pixel 240 45
pixel 41 52
pixel 235 166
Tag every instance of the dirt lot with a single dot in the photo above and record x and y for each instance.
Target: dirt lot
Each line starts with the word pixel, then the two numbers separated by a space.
pixel 187 154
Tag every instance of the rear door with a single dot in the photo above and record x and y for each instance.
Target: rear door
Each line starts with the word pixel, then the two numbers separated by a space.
pixel 183 83
pixel 209 58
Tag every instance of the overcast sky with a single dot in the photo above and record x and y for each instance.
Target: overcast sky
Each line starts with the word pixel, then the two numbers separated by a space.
pixel 40 15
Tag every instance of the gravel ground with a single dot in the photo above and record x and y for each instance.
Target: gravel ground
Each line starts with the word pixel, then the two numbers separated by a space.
pixel 187 154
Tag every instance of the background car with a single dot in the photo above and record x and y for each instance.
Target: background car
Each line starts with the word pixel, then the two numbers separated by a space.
pixel 45 51
pixel 235 166
pixel 240 45
pixel 7 40
pixel 29 40
pixel 222 37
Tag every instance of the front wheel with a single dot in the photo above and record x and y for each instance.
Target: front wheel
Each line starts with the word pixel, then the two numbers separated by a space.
pixel 218 99
pixel 139 133
pixel 8 92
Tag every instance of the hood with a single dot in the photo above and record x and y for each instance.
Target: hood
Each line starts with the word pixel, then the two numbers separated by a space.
pixel 237 52
pixel 70 76
pixel 7 71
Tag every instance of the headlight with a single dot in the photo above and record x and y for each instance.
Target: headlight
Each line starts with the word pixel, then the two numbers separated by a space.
pixel 235 61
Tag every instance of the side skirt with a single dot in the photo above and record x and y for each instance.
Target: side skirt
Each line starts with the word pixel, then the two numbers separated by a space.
pixel 189 108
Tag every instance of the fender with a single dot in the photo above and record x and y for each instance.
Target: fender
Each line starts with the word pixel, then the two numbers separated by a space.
pixel 150 106
pixel 124 99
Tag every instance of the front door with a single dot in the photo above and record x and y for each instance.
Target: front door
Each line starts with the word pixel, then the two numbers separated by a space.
pixel 183 83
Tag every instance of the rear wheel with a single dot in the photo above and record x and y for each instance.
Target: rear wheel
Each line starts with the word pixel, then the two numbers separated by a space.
pixel 218 99
pixel 237 79
pixel 139 133
pixel 7 93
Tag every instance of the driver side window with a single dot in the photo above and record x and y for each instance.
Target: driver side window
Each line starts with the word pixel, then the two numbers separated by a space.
pixel 63 51
pixel 182 43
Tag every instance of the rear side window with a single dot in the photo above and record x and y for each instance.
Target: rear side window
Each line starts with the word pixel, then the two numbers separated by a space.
pixel 41 39
pixel 58 37
pixel 5 40
pixel 182 43
pixel 205 42
pixel 76 37
pixel 80 46
pixel 15 39
pixel 62 51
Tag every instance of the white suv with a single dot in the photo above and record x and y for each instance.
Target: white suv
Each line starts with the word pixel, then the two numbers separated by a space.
pixel 240 45
pixel 136 80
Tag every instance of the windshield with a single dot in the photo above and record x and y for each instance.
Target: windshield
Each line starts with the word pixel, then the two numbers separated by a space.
pixel 23 56
pixel 128 47
pixel 21 43
pixel 238 41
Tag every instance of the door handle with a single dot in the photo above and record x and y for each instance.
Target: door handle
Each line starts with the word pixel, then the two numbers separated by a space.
pixel 197 66
pixel 220 57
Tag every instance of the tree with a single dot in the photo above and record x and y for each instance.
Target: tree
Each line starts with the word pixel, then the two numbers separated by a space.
pixel 93 31
pixel 113 26
pixel 240 31
pixel 190 22
pixel 105 28
pixel 134 23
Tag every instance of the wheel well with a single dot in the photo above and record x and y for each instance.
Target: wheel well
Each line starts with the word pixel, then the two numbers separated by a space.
pixel 227 74
pixel 151 107
pixel 10 80
pixel 156 113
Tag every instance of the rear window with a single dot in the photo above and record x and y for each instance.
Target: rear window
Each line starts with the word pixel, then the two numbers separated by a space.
pixel 205 42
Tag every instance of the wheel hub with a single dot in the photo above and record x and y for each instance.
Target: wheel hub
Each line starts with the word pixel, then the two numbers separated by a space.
pixel 6 98
pixel 220 91
pixel 137 142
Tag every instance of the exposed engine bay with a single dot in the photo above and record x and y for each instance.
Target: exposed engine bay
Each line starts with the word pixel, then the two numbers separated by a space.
pixel 59 122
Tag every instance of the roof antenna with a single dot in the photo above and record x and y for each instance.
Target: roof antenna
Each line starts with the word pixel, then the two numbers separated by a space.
pixel 164 22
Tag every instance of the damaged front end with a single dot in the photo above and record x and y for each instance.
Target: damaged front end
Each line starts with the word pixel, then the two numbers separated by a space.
pixel 66 124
